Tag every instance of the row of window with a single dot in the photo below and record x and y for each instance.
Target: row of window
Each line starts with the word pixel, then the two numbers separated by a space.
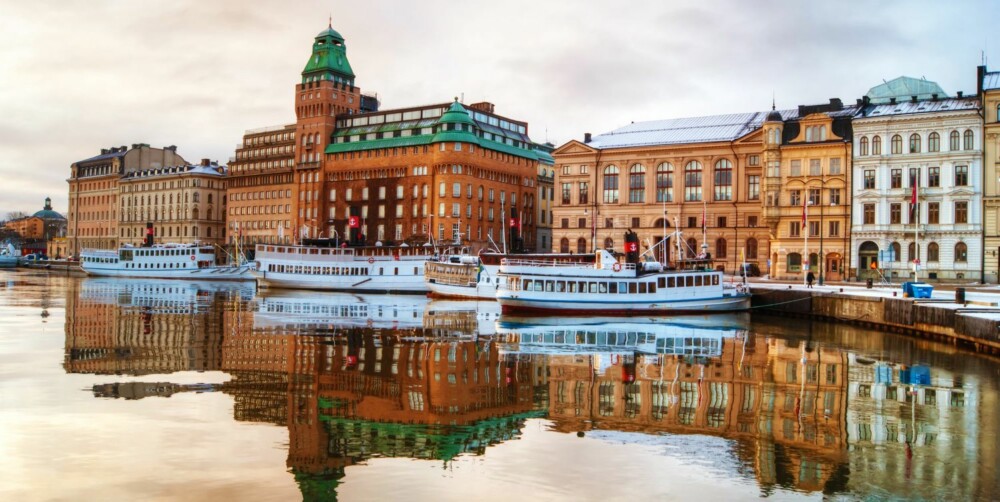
pixel 613 287
pixel 335 271
pixel 795 229
pixel 961 213
pixel 961 177
pixel 933 253
pixel 721 246
pixel 964 140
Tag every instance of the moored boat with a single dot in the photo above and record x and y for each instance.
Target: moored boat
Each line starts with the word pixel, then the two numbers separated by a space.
pixel 8 256
pixel 636 286
pixel 324 266
pixel 162 261
pixel 477 276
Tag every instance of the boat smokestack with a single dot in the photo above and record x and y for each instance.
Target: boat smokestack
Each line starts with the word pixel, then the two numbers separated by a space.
pixel 631 247
pixel 149 234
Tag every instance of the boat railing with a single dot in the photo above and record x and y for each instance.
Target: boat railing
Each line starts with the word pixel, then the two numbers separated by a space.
pixel 514 262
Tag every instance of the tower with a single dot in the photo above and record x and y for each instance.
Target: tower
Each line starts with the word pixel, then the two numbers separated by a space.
pixel 327 89
pixel 773 130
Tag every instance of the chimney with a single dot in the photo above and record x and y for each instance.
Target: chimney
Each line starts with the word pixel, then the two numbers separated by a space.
pixel 104 151
pixel 892 101
pixel 836 104
pixel 860 101
pixel 980 74
pixel 149 234
pixel 586 137
pixel 172 148
pixel 934 96
pixel 959 93
pixel 205 162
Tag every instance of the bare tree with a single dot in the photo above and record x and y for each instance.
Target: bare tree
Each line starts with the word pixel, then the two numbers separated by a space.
pixel 15 215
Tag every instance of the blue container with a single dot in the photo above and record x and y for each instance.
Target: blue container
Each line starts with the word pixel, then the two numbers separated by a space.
pixel 907 289
pixel 921 290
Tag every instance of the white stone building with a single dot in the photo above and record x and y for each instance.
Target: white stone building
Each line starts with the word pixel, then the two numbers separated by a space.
pixel 937 141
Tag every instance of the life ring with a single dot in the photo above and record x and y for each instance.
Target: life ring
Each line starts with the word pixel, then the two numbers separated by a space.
pixel 192 257
pixel 395 256
pixel 617 267
pixel 371 259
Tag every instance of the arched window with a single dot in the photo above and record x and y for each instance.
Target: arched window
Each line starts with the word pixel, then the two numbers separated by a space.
pixel 877 145
pixel 911 253
pixel 637 183
pixel 194 213
pixel 793 262
pixel 581 245
pixel 863 148
pixel 896 252
pixel 968 141
pixel 480 192
pixel 564 245
pixel 692 247
pixel 934 142
pixel 914 143
pixel 665 182
pixel 961 253
pixel 720 248
pixel 751 250
pixel 723 180
pixel 692 181
pixel 953 141
pixel 897 144
pixel 932 252
pixel 809 133
pixel 609 243
pixel 611 185
pixel 822 133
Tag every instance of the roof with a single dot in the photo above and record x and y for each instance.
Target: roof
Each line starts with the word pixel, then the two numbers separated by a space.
pixel 104 156
pixel 991 81
pixel 909 107
pixel 48 214
pixel 904 87
pixel 684 130
pixel 329 58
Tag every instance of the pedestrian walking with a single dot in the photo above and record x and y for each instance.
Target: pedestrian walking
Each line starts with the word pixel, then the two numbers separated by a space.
pixel 810 277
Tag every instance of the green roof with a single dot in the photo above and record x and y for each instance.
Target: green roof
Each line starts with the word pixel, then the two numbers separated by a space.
pixel 329 58
pixel 905 87
pixel 463 136
pixel 356 146
pixel 456 114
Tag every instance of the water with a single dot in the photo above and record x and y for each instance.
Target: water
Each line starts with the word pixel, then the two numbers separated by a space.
pixel 166 390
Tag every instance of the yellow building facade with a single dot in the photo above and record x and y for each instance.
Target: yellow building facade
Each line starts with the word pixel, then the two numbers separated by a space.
pixel 989 95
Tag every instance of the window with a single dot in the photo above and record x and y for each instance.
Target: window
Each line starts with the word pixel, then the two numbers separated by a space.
pixel 723 180
pixel 896 178
pixel 934 177
pixel 774 169
pixel 566 193
pixel 897 144
pixel 664 182
pixel 877 145
pixel 752 221
pixel 794 228
pixel 914 176
pixel 934 142
pixel 611 185
pixel 456 189
pixel 895 213
pixel 567 170
pixel 961 211
pixel 933 253
pixel 815 167
pixel 564 242
pixel 581 223
pixel 751 249
pixel 863 146
pixel 753 187
pixel 912 252
pixel 720 248
pixel 794 262
pixel 796 169
pixel 834 196
pixel 869 180
pixel 961 176
pixel 834 229
pixel 961 253
pixel 753 160
pixel 914 143
pixel 581 245
pixel 953 141
pixel 637 183
pixel 583 195
pixel 813 228
pixel 834 166
pixel 933 212
pixel 869 214
pixel 967 140
pixel 720 222
pixel 692 181
pixel 794 197
pixel 814 196
pixel 896 251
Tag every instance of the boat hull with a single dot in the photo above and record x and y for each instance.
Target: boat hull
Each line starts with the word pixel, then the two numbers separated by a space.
pixel 517 304
pixel 360 284
pixel 478 292
pixel 201 274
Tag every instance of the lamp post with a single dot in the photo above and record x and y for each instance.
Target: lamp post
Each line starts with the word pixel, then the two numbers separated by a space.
pixel 822 259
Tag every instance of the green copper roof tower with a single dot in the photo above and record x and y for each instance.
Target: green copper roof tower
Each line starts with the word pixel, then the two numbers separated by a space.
pixel 329 59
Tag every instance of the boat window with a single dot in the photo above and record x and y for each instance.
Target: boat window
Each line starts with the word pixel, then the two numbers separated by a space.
pixel 699 281
pixel 633 288
pixel 689 281
pixel 548 286
pixel 572 286
pixel 560 286
pixel 715 280
pixel 642 288
pixel 662 281
pixel 395 271
pixel 613 287
pixel 652 287
pixel 671 283
pixel 602 287
pixel 593 287
pixel 270 248
pixel 380 271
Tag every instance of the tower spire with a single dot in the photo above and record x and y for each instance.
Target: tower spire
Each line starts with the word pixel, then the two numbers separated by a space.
pixel 330 23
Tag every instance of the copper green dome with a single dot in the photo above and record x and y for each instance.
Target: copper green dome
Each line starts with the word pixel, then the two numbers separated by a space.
pixel 330 32
pixel 47 213
pixel 329 59
pixel 456 114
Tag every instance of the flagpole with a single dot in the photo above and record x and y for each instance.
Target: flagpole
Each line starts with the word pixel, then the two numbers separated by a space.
pixel 916 225
pixel 805 234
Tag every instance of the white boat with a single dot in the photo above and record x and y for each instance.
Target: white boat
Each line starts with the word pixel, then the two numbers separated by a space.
pixel 162 261
pixel 371 269
pixel 8 256
pixel 608 286
pixel 677 335
pixel 477 276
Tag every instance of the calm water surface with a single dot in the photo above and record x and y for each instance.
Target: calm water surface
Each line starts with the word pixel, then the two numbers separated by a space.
pixel 166 390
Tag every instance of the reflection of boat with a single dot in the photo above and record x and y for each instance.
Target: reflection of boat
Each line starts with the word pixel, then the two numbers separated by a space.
pixel 614 288
pixel 302 309
pixel 468 276
pixel 157 292
pixel 374 269
pixel 162 261
pixel 676 335
pixel 468 317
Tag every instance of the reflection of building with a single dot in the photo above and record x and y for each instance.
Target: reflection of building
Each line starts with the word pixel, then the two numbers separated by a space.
pixel 934 142
pixel 787 416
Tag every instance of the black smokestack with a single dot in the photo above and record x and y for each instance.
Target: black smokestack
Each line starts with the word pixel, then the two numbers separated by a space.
pixel 149 234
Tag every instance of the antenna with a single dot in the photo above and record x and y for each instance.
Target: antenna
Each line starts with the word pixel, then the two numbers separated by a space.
pixel 331 21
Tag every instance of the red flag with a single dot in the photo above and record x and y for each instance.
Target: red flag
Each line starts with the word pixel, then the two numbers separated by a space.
pixel 913 197
pixel 804 199
pixel 913 201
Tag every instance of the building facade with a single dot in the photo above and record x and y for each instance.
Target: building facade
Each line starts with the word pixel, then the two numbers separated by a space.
pixel 917 182
pixel 185 204
pixel 807 190
pixel 989 95
pixel 94 194
pixel 700 174
pixel 36 232
pixel 259 187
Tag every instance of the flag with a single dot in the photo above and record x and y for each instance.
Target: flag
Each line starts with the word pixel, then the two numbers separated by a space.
pixel 804 206
pixel 913 200
pixel 704 215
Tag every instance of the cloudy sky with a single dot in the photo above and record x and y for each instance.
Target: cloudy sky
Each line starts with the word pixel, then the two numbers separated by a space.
pixel 77 76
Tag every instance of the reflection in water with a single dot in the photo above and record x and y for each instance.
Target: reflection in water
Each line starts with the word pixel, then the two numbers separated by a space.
pixel 356 377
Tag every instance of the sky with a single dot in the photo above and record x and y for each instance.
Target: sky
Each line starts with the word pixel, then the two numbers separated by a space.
pixel 77 76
